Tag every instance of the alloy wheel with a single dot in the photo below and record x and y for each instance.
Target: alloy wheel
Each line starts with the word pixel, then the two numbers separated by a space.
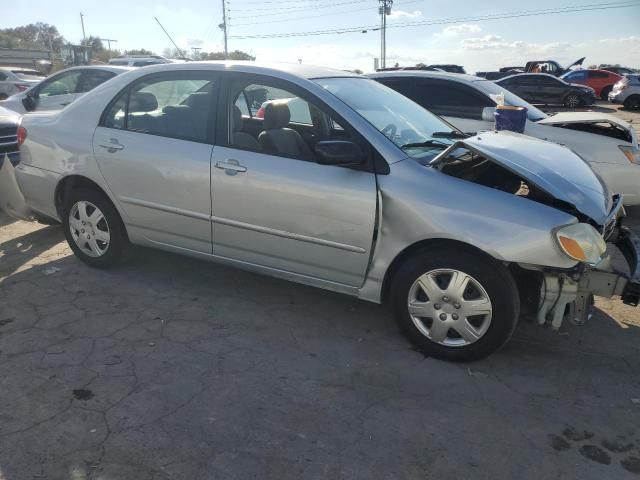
pixel 450 307
pixel 573 101
pixel 89 229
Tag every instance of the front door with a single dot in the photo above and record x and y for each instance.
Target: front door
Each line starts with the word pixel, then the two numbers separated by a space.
pixel 156 157
pixel 273 205
pixel 57 92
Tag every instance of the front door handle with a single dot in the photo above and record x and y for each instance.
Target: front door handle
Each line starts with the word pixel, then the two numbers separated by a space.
pixel 112 145
pixel 231 167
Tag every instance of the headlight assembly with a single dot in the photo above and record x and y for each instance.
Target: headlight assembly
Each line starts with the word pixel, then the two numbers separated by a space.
pixel 581 242
pixel 632 154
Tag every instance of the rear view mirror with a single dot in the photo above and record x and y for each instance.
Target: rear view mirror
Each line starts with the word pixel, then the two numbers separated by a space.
pixel 488 114
pixel 29 102
pixel 338 152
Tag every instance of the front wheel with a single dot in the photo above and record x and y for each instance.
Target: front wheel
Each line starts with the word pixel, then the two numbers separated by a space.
pixel 632 102
pixel 572 100
pixel 93 228
pixel 455 305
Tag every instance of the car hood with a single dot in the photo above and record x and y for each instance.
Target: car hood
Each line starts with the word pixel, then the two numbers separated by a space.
pixel 553 168
pixel 590 118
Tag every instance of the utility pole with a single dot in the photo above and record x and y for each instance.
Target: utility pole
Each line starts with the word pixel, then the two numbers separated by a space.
pixel 223 27
pixel 384 9
pixel 84 36
pixel 180 52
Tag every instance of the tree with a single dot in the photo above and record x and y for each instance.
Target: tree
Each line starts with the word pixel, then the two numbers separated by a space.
pixel 35 35
pixel 139 51
pixel 235 55
pixel 94 42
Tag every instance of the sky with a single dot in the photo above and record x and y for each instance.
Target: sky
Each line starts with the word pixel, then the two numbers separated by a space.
pixel 603 36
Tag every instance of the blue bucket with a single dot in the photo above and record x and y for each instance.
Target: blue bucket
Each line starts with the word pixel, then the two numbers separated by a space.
pixel 511 118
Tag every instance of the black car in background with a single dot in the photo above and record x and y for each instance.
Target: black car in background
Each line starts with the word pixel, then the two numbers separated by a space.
pixel 544 89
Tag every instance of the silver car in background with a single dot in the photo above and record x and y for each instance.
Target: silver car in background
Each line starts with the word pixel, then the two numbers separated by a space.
pixel 364 193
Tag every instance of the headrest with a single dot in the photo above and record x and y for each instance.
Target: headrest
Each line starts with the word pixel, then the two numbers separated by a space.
pixel 198 100
pixel 276 115
pixel 237 119
pixel 142 102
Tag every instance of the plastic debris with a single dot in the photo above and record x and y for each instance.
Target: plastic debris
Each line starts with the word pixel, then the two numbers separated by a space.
pixel 51 270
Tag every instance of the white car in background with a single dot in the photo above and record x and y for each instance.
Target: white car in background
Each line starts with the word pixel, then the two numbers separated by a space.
pixel 60 89
pixel 18 79
pixel 607 143
pixel 627 92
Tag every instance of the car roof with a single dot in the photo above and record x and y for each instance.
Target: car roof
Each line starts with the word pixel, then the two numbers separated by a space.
pixel 528 74
pixel 458 77
pixel 266 68
pixel 110 68
pixel 17 67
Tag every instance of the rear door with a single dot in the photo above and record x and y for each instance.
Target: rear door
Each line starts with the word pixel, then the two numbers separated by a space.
pixel 551 90
pixel 286 212
pixel 91 78
pixel 153 147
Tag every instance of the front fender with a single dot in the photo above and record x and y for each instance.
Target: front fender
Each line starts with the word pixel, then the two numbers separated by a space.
pixel 420 203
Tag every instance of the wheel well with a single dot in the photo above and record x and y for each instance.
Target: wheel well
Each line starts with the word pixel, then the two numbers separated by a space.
pixel 430 244
pixel 70 183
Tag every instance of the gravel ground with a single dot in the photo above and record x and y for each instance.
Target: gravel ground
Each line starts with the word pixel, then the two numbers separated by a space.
pixel 171 368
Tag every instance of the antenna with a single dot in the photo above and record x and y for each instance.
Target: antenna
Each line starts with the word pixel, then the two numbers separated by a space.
pixel 184 57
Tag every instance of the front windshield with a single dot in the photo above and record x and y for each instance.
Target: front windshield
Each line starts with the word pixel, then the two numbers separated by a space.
pixel 491 88
pixel 412 128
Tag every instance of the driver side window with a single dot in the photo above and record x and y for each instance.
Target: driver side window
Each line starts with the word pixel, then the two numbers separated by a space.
pixel 61 85
pixel 276 121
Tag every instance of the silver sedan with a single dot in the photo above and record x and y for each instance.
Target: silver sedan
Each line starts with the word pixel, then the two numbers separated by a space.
pixel 333 180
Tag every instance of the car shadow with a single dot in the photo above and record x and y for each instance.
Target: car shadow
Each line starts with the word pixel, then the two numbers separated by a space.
pixel 19 251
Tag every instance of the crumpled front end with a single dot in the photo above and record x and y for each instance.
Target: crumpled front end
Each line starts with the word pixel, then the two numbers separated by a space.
pixel 569 295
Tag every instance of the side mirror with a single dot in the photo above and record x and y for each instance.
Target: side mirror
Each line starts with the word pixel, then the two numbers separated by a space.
pixel 338 152
pixel 30 102
pixel 488 114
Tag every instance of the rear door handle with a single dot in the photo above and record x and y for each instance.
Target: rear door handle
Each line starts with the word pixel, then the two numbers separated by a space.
pixel 112 145
pixel 231 167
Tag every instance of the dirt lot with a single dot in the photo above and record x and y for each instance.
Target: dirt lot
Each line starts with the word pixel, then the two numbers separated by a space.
pixel 170 368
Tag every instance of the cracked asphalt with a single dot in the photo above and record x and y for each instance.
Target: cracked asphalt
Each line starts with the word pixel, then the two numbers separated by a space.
pixel 173 368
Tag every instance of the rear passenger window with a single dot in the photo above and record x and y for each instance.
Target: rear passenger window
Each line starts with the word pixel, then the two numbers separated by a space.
pixel 165 106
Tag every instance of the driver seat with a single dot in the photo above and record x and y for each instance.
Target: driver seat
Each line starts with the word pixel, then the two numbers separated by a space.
pixel 277 139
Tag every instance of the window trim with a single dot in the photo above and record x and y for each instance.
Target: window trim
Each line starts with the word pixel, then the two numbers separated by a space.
pixel 172 75
pixel 54 78
pixel 223 123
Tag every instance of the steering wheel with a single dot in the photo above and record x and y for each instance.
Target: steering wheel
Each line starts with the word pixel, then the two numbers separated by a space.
pixel 390 131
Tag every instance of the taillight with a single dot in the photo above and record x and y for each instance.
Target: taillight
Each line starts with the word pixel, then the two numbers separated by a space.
pixel 22 135
pixel 22 88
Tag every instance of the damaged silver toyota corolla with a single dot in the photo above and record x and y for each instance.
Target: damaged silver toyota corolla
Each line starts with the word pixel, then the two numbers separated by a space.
pixel 333 180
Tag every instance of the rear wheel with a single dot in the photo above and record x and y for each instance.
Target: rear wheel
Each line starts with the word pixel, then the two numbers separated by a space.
pixel 94 229
pixel 455 305
pixel 632 102
pixel 572 100
pixel 604 94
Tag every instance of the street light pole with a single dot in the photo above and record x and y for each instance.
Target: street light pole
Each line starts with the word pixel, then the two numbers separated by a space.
pixel 223 26
pixel 384 9
pixel 84 36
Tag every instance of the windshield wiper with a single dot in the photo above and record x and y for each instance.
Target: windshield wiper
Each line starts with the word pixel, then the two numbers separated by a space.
pixel 452 134
pixel 426 143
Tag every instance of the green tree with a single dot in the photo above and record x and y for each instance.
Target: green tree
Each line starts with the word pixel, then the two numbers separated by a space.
pixel 235 55
pixel 35 35
pixel 139 51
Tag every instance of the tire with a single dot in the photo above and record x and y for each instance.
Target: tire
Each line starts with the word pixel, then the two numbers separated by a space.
pixel 490 331
pixel 572 100
pixel 105 251
pixel 632 102
pixel 604 94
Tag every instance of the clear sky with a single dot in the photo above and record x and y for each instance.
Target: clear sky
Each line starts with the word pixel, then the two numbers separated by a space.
pixel 603 36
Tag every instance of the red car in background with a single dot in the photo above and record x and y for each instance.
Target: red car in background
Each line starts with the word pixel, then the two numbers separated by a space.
pixel 601 81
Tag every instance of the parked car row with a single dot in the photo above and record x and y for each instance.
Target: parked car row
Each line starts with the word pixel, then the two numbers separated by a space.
pixel 337 181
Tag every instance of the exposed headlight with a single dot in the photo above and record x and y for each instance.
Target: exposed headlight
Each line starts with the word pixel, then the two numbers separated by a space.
pixel 631 153
pixel 581 242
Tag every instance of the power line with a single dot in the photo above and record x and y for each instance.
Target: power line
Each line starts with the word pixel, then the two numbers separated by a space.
pixel 297 9
pixel 526 13
pixel 329 14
